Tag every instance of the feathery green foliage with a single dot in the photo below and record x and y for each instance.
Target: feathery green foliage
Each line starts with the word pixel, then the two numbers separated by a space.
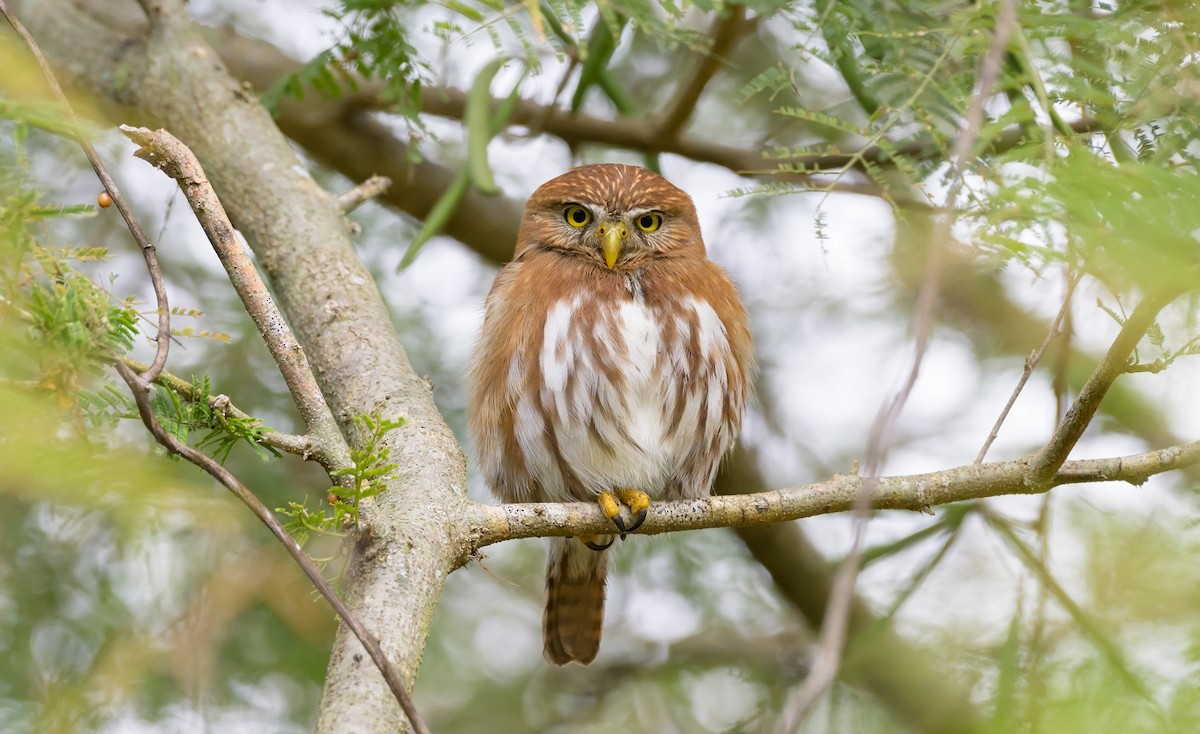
pixel 370 465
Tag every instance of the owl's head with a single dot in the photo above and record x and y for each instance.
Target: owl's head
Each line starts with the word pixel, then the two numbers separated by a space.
pixel 618 216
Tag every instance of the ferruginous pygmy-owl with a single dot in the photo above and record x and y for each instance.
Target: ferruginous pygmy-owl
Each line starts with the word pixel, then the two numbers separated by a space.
pixel 613 367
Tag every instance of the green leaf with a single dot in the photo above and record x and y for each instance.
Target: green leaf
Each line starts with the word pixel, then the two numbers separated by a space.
pixel 477 120
pixel 599 52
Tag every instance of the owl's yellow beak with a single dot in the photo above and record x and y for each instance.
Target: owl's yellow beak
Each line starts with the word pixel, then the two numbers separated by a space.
pixel 612 239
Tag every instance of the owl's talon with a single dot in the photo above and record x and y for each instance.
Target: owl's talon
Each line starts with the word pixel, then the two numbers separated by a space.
pixel 591 541
pixel 638 503
pixel 611 507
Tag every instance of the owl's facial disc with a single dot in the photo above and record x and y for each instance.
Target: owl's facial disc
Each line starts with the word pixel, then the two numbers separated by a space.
pixel 613 234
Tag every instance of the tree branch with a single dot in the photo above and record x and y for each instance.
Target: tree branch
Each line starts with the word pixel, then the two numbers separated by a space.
pixel 341 134
pixel 363 192
pixel 900 673
pixel 724 33
pixel 288 443
pixel 496 523
pixel 183 165
pixel 582 129
pixel 1030 363
pixel 262 65
pixel 1046 463
pixel 164 151
pixel 837 618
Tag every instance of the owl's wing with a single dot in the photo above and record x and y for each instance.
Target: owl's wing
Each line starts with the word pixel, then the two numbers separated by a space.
pixel 497 377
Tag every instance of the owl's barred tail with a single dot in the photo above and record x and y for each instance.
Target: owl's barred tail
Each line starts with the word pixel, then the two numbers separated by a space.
pixel 574 613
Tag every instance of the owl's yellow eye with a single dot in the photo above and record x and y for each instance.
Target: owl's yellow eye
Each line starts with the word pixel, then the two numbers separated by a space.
pixel 649 221
pixel 577 216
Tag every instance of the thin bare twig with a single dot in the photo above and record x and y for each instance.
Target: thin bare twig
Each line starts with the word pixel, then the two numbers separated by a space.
pixel 1045 464
pixel 363 192
pixel 163 337
pixel 141 393
pixel 164 151
pixel 833 631
pixel 1061 382
pixel 1030 364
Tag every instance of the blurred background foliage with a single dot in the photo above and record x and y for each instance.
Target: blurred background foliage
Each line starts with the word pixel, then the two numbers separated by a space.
pixel 815 136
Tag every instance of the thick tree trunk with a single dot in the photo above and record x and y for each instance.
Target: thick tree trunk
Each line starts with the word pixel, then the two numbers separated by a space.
pixel 163 73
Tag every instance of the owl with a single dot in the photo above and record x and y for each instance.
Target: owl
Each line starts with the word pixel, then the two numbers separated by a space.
pixel 613 367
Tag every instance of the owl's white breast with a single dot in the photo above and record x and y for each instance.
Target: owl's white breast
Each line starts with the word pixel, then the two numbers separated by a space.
pixel 607 417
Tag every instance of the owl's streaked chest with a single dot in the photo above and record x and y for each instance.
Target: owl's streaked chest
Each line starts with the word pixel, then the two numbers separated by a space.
pixel 632 394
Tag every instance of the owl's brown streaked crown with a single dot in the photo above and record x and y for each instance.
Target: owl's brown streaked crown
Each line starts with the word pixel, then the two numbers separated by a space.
pixel 614 186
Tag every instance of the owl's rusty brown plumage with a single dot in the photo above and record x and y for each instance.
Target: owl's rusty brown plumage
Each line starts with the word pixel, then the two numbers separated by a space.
pixel 613 362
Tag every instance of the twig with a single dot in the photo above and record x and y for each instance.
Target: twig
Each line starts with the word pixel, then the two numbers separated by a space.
pixel 163 337
pixel 922 699
pixel 1045 464
pixel 141 393
pixel 833 631
pixel 1061 382
pixel 363 192
pixel 289 443
pixel 1030 363
pixel 725 31
pixel 1153 368
pixel 164 151
pixel 495 523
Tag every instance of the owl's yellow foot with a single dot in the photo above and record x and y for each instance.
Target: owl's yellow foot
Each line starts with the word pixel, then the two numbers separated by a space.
pixel 636 501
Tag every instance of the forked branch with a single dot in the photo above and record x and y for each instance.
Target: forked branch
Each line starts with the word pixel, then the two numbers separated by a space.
pixel 1046 463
